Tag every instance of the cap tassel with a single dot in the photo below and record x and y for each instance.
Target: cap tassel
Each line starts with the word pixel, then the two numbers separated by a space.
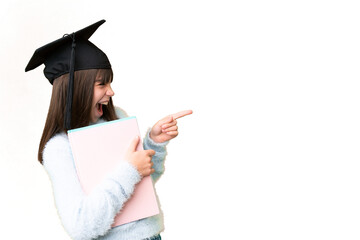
pixel 69 98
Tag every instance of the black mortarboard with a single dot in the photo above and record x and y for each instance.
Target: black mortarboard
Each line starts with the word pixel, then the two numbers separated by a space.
pixel 59 58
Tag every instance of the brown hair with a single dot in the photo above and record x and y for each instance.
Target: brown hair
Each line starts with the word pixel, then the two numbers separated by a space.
pixel 82 103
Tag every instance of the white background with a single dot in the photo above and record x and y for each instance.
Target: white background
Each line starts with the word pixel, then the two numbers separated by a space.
pixel 272 149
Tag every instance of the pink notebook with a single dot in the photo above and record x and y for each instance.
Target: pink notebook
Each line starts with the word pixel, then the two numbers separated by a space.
pixel 97 149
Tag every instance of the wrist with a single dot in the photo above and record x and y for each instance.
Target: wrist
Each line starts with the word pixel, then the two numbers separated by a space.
pixel 151 143
pixel 152 137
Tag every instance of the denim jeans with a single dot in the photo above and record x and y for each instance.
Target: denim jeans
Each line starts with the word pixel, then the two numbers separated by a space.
pixel 158 237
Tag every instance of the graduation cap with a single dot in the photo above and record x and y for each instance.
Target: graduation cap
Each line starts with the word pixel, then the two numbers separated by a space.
pixel 70 53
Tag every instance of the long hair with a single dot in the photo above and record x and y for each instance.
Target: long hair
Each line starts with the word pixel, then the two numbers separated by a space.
pixel 81 106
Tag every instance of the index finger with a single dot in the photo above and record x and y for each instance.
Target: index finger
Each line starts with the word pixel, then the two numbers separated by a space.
pixel 182 114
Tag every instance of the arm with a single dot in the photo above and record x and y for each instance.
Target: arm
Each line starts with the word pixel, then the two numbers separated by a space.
pixel 86 217
pixel 159 136
pixel 159 157
pixel 148 143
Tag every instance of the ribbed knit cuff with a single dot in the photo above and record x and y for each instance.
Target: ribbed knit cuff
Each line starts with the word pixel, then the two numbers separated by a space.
pixel 150 144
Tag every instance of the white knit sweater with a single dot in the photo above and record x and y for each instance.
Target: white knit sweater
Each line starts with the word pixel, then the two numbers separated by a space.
pixel 90 217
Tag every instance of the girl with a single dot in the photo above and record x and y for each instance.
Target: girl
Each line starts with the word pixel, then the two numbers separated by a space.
pixel 82 95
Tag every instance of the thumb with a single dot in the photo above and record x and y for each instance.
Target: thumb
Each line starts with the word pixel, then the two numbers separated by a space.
pixel 133 145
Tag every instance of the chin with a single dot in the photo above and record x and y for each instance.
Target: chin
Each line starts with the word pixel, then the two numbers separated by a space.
pixel 94 119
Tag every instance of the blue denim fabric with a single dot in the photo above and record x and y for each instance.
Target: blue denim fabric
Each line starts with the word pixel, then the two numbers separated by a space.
pixel 158 237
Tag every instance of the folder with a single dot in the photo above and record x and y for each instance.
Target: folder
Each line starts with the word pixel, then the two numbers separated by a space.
pixel 97 150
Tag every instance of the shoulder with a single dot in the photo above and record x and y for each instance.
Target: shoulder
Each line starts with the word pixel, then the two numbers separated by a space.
pixel 59 140
pixel 56 148
pixel 120 113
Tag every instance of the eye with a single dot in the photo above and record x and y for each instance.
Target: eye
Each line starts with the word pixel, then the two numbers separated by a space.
pixel 99 83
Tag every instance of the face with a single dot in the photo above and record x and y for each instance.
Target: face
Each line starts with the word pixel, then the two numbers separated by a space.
pixel 102 95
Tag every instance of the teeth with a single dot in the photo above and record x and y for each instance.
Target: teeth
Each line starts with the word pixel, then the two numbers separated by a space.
pixel 103 103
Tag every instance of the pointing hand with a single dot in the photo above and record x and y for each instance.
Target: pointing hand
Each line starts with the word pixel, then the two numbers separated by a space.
pixel 167 129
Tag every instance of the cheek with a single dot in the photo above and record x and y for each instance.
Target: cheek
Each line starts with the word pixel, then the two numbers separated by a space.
pixel 97 95
pixel 94 100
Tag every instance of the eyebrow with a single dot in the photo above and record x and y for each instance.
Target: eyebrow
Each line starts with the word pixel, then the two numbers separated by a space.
pixel 103 79
pixel 100 80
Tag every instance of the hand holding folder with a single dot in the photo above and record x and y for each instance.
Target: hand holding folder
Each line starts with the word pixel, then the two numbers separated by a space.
pixel 121 140
pixel 141 160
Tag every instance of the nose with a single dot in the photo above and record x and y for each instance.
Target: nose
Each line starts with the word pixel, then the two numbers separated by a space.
pixel 109 91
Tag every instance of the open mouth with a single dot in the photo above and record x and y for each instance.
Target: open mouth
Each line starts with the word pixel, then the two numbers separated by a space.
pixel 99 107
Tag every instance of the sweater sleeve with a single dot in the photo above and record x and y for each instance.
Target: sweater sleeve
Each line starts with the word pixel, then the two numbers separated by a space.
pixel 160 149
pixel 159 157
pixel 86 216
